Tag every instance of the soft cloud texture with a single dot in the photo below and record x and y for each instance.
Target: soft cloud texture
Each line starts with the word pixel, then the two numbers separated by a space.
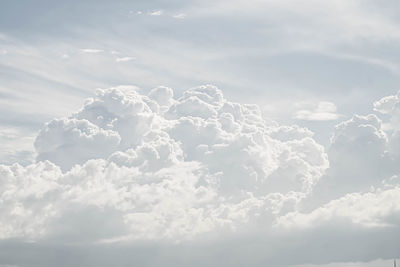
pixel 148 154
pixel 189 177
pixel 324 111
pixel 160 171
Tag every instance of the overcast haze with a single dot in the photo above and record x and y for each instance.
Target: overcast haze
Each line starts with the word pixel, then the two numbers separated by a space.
pixel 199 133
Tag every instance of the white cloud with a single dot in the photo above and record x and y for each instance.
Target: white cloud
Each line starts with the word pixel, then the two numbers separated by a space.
pixel 79 138
pixel 323 111
pixel 91 51
pixel 390 105
pixel 179 16
pixel 131 168
pixel 359 159
pixel 124 59
pixel 214 161
pixel 380 208
pixel 156 13
pixel 128 185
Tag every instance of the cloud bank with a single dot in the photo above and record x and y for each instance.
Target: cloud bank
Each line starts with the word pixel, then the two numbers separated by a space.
pixel 192 175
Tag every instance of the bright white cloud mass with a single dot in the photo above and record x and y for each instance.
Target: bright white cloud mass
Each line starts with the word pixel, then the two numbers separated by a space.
pixel 206 175
pixel 223 133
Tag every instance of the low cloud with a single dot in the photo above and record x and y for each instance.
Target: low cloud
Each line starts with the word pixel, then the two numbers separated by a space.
pixel 193 175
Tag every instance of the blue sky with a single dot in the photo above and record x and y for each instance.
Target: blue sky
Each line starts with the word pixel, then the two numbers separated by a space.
pixel 309 63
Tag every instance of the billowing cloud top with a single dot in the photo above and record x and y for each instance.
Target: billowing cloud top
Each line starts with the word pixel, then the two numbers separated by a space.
pixel 129 167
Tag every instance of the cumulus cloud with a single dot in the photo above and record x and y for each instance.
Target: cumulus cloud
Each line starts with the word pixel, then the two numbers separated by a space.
pixel 369 209
pixel 132 168
pixel 361 187
pixel 170 168
pixel 80 139
pixel 390 105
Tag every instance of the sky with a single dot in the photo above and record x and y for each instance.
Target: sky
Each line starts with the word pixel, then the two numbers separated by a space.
pixel 199 133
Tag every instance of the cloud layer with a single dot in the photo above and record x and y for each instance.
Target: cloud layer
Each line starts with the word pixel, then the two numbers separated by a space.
pixel 130 168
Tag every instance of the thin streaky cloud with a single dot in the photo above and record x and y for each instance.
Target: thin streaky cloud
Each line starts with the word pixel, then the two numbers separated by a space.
pixel 91 51
pixel 124 59
pixel 179 16
pixel 156 13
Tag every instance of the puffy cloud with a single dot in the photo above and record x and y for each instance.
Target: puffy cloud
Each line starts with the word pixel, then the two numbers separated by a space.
pixel 130 168
pixel 159 167
pixel 78 138
pixel 25 204
pixel 362 152
pixel 361 156
pixel 361 188
pixel 164 96
pixel 386 105
pixel 378 208
pixel 390 105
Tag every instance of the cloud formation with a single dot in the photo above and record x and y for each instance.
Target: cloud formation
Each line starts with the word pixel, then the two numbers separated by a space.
pixel 179 16
pixel 133 167
pixel 156 13
pixel 324 111
pixel 91 51
pixel 124 59
pixel 140 155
